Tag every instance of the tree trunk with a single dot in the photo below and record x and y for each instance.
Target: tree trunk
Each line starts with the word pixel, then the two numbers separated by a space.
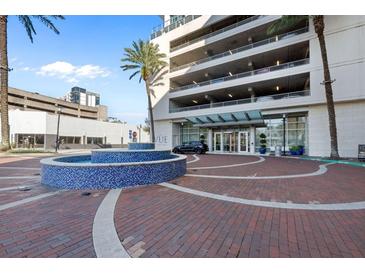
pixel 4 83
pixel 318 23
pixel 150 113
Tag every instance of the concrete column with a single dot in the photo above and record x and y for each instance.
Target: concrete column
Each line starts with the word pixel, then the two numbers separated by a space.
pixel 252 139
pixel 210 140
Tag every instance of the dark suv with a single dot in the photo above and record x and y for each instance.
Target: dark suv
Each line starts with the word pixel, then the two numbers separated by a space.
pixel 195 146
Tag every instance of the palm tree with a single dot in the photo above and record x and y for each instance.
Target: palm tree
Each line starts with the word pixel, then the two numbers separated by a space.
pixel 26 21
pixel 318 23
pixel 146 59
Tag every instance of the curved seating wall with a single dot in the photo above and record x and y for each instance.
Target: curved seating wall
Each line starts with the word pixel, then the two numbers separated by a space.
pixel 68 173
pixel 128 156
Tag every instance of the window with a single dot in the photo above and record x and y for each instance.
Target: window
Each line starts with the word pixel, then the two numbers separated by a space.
pixel 29 140
pixel 95 140
pixel 295 132
pixel 189 133
pixel 70 140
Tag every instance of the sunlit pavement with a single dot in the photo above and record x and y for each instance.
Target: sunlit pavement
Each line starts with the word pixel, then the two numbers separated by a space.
pixel 226 206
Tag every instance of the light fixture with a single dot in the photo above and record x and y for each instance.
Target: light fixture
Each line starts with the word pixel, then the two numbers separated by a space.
pixel 230 73
pixel 277 62
pixel 277 88
pixel 250 89
pixel 276 38
pixel 230 95
pixel 194 82
pixel 195 101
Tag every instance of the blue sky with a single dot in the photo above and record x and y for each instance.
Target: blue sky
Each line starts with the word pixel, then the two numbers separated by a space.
pixel 87 53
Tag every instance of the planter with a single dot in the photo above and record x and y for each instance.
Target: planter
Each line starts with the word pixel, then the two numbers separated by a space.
pixel 262 150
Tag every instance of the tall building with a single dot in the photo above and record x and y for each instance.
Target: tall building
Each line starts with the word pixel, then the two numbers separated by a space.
pixel 83 97
pixel 229 81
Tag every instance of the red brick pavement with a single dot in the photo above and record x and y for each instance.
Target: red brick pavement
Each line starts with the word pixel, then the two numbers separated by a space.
pixel 160 222
pixel 57 226
pixel 154 221
pixel 340 184
pixel 270 167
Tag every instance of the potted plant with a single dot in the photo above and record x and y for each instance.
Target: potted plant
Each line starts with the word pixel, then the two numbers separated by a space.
pixel 262 143
pixel 296 150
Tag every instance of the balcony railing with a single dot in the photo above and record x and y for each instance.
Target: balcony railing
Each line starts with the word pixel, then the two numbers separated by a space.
pixel 244 48
pixel 160 29
pixel 235 25
pixel 288 95
pixel 244 74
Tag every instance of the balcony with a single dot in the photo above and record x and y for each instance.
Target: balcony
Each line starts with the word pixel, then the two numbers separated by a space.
pixel 168 26
pixel 281 96
pixel 214 33
pixel 244 74
pixel 244 48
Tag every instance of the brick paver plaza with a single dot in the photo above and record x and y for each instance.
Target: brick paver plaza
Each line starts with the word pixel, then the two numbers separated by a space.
pixel 225 206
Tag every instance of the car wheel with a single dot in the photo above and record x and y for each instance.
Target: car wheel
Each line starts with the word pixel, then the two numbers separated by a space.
pixel 199 151
pixel 175 151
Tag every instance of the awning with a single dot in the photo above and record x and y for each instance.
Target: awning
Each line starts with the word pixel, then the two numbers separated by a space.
pixel 253 117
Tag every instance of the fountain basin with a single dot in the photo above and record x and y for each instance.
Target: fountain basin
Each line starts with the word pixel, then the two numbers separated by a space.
pixel 128 156
pixel 79 172
pixel 139 146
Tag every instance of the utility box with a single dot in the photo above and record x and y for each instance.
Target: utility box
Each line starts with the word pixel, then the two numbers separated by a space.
pixel 361 153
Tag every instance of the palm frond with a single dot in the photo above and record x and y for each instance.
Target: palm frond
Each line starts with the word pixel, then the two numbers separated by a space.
pixel 286 21
pixel 26 21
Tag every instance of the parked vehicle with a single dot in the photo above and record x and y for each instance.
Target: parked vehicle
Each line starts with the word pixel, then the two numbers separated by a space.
pixel 194 146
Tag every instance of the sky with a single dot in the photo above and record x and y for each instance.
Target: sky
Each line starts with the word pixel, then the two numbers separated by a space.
pixel 87 54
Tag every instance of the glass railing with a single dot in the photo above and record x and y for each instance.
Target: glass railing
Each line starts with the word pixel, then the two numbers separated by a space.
pixel 244 48
pixel 160 29
pixel 244 74
pixel 288 95
pixel 235 25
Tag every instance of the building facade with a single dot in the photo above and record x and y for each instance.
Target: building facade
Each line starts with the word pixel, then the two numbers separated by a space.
pixel 33 120
pixel 83 97
pixel 33 101
pixel 229 80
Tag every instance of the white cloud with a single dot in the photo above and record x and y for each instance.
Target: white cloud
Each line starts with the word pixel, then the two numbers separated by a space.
pixel 71 73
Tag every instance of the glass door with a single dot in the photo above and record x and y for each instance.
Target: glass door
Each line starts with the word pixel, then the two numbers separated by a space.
pixel 243 141
pixel 228 142
pixel 217 141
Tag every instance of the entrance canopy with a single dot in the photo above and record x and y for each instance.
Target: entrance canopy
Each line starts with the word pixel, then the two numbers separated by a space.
pixel 253 117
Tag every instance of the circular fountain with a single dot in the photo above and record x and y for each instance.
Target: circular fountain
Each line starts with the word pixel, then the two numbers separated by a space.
pixel 113 168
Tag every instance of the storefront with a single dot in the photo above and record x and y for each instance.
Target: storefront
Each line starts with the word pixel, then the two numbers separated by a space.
pixel 244 137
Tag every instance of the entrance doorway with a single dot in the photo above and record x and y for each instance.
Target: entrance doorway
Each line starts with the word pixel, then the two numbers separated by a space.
pixel 243 142
pixel 228 142
pixel 217 141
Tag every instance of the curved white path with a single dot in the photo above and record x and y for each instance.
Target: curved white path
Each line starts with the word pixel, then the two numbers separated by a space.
pixel 19 177
pixel 196 158
pixel 322 170
pixel 23 168
pixel 337 206
pixel 16 187
pixel 28 200
pixel 105 236
pixel 233 165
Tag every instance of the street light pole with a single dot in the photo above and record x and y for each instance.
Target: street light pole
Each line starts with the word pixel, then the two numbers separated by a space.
pixel 58 129
pixel 284 134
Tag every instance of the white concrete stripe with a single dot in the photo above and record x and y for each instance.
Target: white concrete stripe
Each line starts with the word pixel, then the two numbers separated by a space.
pixel 105 236
pixel 196 158
pixel 28 200
pixel 233 165
pixel 16 167
pixel 339 206
pixel 19 177
pixel 322 170
pixel 15 187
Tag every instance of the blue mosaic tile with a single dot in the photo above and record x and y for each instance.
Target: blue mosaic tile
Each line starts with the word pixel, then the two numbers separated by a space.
pixel 76 172
pixel 139 146
pixel 128 156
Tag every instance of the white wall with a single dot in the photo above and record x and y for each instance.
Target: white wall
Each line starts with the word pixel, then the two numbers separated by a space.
pixel 350 129
pixel 164 134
